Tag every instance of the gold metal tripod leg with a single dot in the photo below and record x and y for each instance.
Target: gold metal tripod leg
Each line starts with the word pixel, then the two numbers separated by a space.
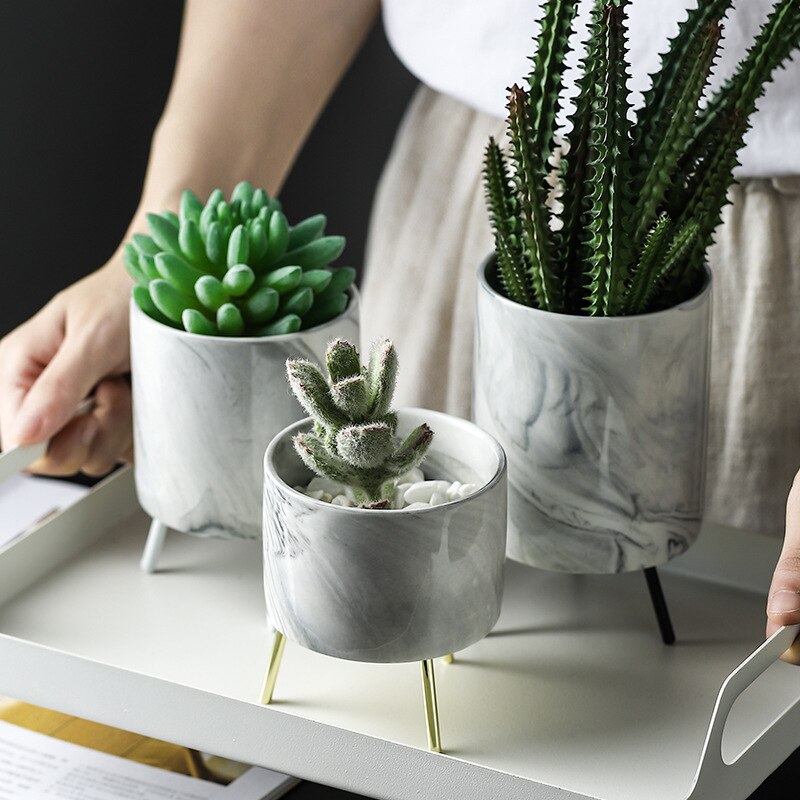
pixel 448 659
pixel 431 706
pixel 271 677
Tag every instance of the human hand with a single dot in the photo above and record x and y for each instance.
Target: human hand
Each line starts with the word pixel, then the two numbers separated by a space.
pixel 76 343
pixel 783 606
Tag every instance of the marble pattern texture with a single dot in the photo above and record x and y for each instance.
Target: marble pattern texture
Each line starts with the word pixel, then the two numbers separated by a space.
pixel 388 586
pixel 204 410
pixel 604 423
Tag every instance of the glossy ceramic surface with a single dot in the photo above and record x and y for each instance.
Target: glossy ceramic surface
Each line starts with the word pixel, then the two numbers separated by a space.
pixel 388 586
pixel 204 410
pixel 604 423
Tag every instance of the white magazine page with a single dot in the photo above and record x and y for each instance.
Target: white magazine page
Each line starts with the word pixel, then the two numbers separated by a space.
pixel 34 766
pixel 25 501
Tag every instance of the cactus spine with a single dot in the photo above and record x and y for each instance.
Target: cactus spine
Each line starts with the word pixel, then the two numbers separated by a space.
pixel 638 202
pixel 353 440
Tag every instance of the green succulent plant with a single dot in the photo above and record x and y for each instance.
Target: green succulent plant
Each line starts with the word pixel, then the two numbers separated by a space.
pixel 353 440
pixel 236 267
pixel 612 216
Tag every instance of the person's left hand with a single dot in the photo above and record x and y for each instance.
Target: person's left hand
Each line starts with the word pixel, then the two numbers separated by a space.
pixel 783 606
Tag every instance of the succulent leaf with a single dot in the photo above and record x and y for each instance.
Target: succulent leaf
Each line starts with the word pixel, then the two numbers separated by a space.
pixel 650 264
pixel 164 233
pixel 289 323
pixel 260 200
pixel 546 76
pixel 238 246
pixel 660 99
pixel 225 259
pixel 277 238
pixel 238 280
pixel 260 307
pixel 318 280
pixel 314 254
pixel 352 397
pixel 354 432
pixel 342 360
pixel 513 271
pixel 243 192
pixel 141 296
pixel 229 320
pixel 299 301
pixel 381 377
pixel 311 389
pixel 587 230
pixel 667 151
pixel 145 245
pixel 195 322
pixel 325 308
pixel 608 230
pixel 191 243
pixel 283 279
pixel 319 459
pixel 130 258
pixel 190 207
pixel 413 450
pixel 175 270
pixel 365 446
pixel 258 241
pixel 306 231
pixel 529 178
pixel 211 293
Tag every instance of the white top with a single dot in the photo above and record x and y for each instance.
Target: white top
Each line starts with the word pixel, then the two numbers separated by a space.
pixel 473 49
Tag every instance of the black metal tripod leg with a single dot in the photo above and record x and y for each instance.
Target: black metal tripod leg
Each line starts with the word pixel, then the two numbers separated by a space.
pixel 660 605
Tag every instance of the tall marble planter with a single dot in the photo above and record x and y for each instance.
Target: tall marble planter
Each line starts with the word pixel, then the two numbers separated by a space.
pixel 204 410
pixel 604 422
pixel 387 586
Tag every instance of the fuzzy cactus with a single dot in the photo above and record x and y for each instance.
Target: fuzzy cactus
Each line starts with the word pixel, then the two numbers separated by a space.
pixel 353 440
pixel 610 216
pixel 236 267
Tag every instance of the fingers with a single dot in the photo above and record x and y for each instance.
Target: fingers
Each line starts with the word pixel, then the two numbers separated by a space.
pixel 68 451
pixel 783 606
pixel 95 442
pixel 23 355
pixel 63 383
pixel 113 441
pixel 49 364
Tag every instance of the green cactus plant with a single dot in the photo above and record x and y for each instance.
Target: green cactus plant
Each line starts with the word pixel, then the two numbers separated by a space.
pixel 236 267
pixel 353 440
pixel 613 216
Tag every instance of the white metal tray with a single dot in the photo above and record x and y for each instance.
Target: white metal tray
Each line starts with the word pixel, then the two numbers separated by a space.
pixel 572 696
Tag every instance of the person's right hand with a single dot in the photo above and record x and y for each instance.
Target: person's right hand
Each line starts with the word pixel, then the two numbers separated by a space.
pixel 77 343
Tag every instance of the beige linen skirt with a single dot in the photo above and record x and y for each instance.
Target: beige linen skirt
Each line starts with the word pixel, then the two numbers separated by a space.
pixel 429 233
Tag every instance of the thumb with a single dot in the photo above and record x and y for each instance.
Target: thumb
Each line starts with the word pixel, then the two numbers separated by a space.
pixel 783 606
pixel 51 401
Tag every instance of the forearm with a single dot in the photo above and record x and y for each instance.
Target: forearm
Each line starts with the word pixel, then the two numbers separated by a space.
pixel 252 77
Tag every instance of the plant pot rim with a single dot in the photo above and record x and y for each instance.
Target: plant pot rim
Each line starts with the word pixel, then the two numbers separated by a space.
pixel 686 305
pixel 271 473
pixel 225 340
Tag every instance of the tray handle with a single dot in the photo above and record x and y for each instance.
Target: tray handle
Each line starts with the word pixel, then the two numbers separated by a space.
pixel 717 778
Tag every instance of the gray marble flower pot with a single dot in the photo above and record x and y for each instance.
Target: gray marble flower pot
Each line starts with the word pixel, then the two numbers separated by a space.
pixel 388 586
pixel 604 422
pixel 204 410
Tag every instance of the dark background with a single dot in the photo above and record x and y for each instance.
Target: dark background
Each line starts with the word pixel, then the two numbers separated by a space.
pixel 82 85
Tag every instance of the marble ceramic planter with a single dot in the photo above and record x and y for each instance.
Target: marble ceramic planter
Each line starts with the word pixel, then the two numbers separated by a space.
pixel 204 410
pixel 604 422
pixel 388 586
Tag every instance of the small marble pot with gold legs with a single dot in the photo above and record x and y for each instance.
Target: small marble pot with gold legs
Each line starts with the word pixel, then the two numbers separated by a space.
pixel 387 586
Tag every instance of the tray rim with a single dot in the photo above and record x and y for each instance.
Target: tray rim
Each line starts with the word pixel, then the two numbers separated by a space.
pixel 31 665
